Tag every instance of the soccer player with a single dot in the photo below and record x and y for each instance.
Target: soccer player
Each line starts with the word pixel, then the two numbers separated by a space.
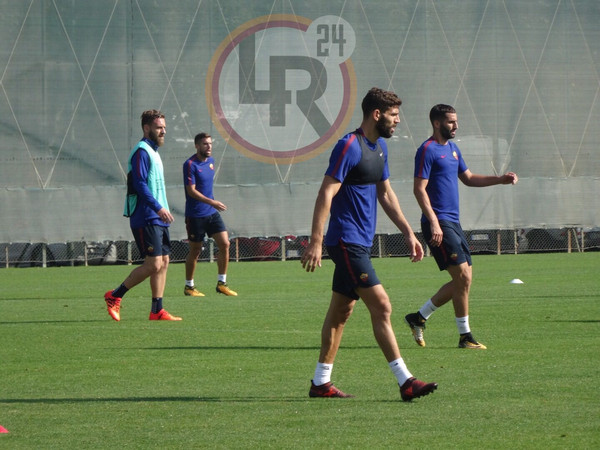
pixel 358 177
pixel 438 167
pixel 149 217
pixel 202 215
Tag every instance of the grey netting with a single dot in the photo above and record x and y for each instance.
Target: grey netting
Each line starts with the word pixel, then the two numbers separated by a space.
pixel 275 83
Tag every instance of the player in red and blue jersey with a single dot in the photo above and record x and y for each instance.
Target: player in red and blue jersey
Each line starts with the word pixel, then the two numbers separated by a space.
pixel 438 167
pixel 149 217
pixel 356 179
pixel 358 164
pixel 202 215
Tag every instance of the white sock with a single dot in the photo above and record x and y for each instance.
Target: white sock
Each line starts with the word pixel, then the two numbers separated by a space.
pixel 189 283
pixel 322 374
pixel 427 309
pixel 463 325
pixel 222 277
pixel 400 371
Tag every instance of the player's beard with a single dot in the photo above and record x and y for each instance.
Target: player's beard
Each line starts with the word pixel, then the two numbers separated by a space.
pixel 447 134
pixel 384 128
pixel 160 140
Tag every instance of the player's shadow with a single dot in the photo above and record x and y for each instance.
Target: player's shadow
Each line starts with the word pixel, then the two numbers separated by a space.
pixel 575 321
pixel 300 398
pixel 40 322
pixel 257 347
pixel 166 399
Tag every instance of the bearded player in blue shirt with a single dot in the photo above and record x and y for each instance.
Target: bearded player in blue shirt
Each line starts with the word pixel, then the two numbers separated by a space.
pixel 149 217
pixel 358 177
pixel 438 167
pixel 202 215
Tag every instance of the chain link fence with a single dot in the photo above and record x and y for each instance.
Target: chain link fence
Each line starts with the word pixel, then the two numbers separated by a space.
pixel 281 248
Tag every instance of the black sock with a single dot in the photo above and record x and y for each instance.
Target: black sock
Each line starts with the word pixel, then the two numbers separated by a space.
pixel 156 304
pixel 120 291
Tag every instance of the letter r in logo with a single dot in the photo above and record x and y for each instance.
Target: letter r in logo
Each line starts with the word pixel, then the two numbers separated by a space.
pixel 277 96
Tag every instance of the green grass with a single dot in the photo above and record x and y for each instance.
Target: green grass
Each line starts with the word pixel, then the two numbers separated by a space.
pixel 236 372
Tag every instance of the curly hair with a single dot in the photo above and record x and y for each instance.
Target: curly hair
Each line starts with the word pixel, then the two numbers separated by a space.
pixel 379 99
pixel 150 116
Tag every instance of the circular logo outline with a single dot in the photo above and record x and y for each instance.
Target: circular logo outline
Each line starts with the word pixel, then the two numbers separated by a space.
pixel 227 131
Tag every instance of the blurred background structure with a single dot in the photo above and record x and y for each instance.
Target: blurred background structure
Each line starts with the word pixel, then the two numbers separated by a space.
pixel 276 83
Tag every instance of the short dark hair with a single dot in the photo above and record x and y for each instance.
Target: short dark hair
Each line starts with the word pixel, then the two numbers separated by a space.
pixel 439 111
pixel 379 99
pixel 150 116
pixel 201 136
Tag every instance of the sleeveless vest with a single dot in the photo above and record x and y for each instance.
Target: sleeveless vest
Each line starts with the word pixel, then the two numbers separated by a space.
pixel 156 180
pixel 370 168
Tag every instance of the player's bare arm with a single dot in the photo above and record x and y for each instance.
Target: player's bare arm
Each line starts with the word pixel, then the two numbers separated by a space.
pixel 311 258
pixel 196 194
pixel 391 206
pixel 476 180
pixel 420 192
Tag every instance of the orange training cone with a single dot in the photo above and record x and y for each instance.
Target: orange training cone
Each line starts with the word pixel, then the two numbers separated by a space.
pixel 3 430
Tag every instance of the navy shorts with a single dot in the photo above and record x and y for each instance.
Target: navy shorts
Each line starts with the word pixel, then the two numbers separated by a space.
pixel 454 249
pixel 353 269
pixel 198 227
pixel 152 240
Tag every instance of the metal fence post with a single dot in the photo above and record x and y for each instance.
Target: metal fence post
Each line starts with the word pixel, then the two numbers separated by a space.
pixel 498 243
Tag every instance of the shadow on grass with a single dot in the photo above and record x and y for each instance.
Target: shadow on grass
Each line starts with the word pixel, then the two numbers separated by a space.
pixel 24 322
pixel 58 401
pixel 298 399
pixel 255 347
pixel 574 321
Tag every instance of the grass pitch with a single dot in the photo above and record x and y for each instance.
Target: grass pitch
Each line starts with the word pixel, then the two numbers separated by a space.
pixel 235 372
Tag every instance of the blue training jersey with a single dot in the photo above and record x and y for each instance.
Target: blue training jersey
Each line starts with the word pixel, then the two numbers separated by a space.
pixel 354 208
pixel 441 165
pixel 201 174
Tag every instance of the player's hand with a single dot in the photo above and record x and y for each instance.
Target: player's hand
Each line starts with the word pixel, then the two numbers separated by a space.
pixel 219 206
pixel 165 215
pixel 510 178
pixel 311 258
pixel 416 253
pixel 436 235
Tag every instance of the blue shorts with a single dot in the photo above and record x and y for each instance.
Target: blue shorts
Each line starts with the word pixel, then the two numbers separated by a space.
pixel 198 227
pixel 152 240
pixel 353 269
pixel 454 249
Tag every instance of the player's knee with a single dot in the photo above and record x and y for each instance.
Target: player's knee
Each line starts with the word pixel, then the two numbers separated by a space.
pixel 155 265
pixel 195 250
pixel 343 314
pixel 464 280
pixel 382 311
pixel 224 247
